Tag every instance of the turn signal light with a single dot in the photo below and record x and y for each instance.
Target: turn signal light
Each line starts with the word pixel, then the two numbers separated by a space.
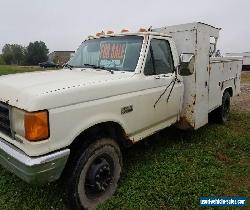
pixel 110 32
pixel 98 34
pixel 142 30
pixel 36 125
pixel 124 30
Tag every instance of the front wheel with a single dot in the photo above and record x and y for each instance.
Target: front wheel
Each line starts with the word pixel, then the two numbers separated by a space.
pixel 94 174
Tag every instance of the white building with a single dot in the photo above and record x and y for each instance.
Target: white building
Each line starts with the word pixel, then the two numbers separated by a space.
pixel 245 56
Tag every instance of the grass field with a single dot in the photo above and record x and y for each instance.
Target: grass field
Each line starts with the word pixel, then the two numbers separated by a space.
pixel 245 77
pixel 176 168
pixel 169 170
pixel 6 69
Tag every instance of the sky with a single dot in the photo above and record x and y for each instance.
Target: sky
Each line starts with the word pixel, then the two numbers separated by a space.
pixel 64 24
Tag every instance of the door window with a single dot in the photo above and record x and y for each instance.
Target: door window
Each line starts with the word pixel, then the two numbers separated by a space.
pixel 159 59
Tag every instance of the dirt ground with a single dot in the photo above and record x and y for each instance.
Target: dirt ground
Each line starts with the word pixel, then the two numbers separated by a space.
pixel 241 103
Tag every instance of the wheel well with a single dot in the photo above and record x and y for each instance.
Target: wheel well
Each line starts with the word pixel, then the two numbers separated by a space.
pixel 107 129
pixel 229 90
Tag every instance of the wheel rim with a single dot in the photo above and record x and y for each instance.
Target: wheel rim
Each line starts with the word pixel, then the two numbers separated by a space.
pixel 99 176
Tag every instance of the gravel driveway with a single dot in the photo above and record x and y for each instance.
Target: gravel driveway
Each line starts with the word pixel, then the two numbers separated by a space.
pixel 241 103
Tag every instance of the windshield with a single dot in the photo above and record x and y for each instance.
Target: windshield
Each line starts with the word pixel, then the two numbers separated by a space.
pixel 114 53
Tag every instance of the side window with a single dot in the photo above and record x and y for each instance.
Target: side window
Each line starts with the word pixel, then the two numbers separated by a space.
pixel 159 59
pixel 149 67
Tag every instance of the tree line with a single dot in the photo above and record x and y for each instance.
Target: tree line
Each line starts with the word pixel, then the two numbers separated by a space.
pixel 33 54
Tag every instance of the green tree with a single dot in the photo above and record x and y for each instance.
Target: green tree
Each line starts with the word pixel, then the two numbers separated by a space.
pixel 36 52
pixel 2 62
pixel 13 54
pixel 8 55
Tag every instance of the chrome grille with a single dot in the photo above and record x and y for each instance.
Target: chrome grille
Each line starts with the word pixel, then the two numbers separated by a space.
pixel 4 119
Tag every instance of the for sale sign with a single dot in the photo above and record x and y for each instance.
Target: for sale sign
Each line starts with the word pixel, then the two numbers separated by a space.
pixel 112 53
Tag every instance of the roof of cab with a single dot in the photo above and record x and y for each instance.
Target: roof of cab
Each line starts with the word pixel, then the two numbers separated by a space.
pixel 131 34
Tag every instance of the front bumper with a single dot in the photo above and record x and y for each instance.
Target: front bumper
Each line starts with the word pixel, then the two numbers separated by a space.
pixel 36 170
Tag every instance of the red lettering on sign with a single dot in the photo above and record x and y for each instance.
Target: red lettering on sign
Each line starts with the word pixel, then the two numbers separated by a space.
pixel 117 51
pixel 114 51
pixel 105 51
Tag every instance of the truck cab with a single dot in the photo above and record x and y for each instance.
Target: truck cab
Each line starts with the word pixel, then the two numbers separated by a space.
pixel 152 61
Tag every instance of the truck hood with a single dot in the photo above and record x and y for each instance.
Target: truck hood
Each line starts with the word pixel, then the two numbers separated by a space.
pixel 51 89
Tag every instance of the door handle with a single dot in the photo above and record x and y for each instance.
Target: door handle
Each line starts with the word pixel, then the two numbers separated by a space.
pixel 157 77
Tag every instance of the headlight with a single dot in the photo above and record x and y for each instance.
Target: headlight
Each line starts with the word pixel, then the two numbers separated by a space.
pixel 33 126
pixel 17 120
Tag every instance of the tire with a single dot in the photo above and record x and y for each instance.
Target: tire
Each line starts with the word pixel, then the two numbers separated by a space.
pixel 222 113
pixel 94 174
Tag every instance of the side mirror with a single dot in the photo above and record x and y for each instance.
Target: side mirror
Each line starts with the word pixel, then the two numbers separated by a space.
pixel 186 64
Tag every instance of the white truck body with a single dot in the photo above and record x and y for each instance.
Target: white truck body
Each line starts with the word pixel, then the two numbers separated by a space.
pixel 79 99
pixel 204 88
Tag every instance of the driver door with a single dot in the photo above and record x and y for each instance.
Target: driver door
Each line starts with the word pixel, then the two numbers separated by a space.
pixel 163 97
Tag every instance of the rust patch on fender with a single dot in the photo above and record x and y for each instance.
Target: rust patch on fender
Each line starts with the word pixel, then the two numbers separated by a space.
pixel 184 124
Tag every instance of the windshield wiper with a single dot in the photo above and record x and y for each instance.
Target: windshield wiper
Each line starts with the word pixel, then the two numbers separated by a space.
pixel 99 67
pixel 113 68
pixel 68 66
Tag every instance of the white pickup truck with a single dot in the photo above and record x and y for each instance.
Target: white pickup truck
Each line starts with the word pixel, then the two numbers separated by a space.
pixel 115 91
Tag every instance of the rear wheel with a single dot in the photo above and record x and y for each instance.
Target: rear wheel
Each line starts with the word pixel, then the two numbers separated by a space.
pixel 222 113
pixel 94 175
